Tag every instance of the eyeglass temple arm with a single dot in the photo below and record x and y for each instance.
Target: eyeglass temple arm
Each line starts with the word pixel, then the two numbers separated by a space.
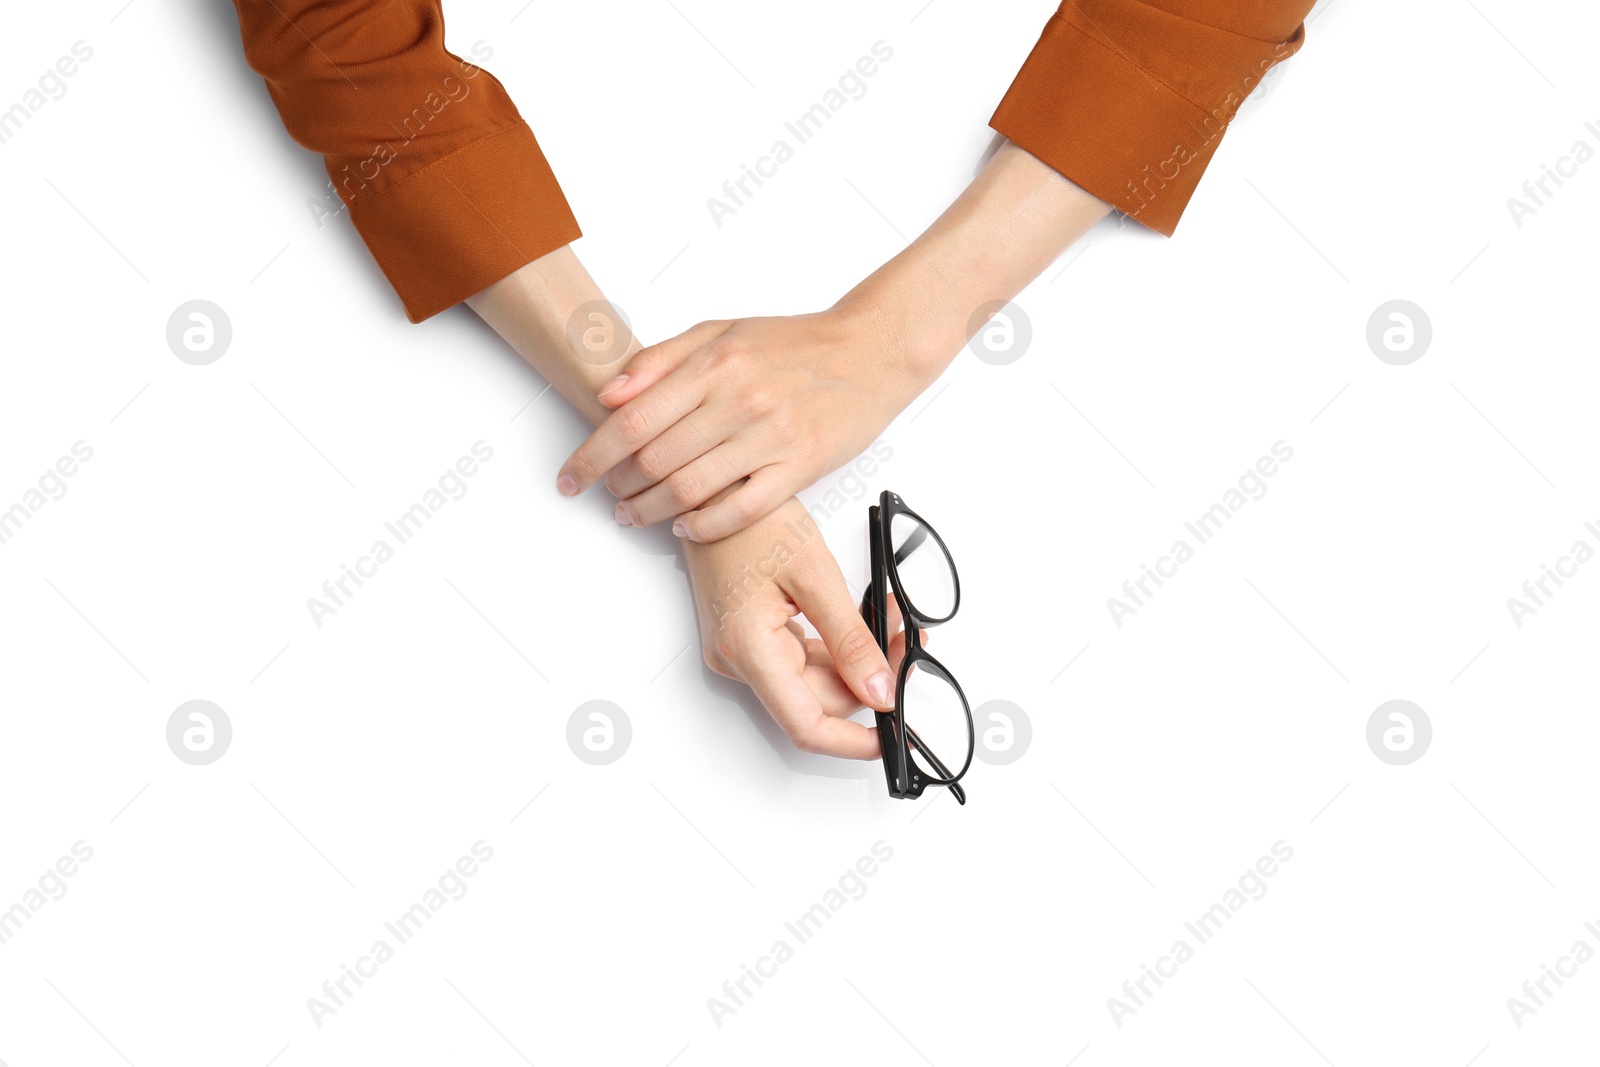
pixel 944 772
pixel 876 614
pixel 867 604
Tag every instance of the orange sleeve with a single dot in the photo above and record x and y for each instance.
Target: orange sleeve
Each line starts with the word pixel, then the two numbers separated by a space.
pixel 442 178
pixel 1130 98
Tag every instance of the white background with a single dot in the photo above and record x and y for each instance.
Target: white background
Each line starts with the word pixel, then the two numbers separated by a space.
pixel 1227 714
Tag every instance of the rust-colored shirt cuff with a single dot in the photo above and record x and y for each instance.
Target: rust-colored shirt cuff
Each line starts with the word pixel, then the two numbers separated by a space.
pixel 443 179
pixel 462 223
pixel 1129 100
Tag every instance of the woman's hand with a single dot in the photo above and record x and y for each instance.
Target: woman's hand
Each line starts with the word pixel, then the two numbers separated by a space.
pixel 779 401
pixel 783 401
pixel 748 588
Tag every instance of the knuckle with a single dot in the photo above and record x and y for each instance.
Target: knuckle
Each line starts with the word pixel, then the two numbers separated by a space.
pixel 746 507
pixel 808 571
pixel 855 647
pixel 644 361
pixel 804 737
pixel 730 358
pixel 723 652
pixel 684 489
pixel 649 464
pixel 756 400
pixel 635 425
pixel 713 660
pixel 801 575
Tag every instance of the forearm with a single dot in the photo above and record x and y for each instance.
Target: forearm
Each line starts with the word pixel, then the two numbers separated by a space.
pixel 1011 223
pixel 555 316
pixel 533 310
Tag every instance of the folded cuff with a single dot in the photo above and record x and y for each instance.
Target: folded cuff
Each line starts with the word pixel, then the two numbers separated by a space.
pixel 465 221
pixel 1083 106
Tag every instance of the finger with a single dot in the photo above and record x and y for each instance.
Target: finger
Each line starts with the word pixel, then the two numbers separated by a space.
pixel 835 697
pixel 681 490
pixel 676 448
pixel 814 582
pixel 759 497
pixel 817 654
pixel 624 480
pixel 897 652
pixel 832 735
pixel 627 430
pixel 649 365
pixel 843 701
pixel 897 621
pixel 772 663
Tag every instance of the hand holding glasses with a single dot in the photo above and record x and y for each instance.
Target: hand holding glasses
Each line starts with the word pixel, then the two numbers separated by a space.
pixel 910 559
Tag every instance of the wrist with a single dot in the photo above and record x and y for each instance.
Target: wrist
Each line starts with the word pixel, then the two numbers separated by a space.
pixel 554 315
pixel 912 323
pixel 998 236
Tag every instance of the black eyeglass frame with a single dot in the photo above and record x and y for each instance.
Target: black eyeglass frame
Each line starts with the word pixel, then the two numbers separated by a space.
pixel 907 780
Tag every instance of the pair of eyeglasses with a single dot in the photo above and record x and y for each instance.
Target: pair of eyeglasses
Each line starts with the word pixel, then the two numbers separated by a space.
pixel 910 561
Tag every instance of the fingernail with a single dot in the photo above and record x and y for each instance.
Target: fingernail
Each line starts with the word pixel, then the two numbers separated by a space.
pixel 879 687
pixel 679 530
pixel 616 383
pixel 622 515
pixel 566 485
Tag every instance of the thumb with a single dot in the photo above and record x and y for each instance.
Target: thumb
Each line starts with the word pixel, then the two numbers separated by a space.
pixel 649 365
pixel 820 592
